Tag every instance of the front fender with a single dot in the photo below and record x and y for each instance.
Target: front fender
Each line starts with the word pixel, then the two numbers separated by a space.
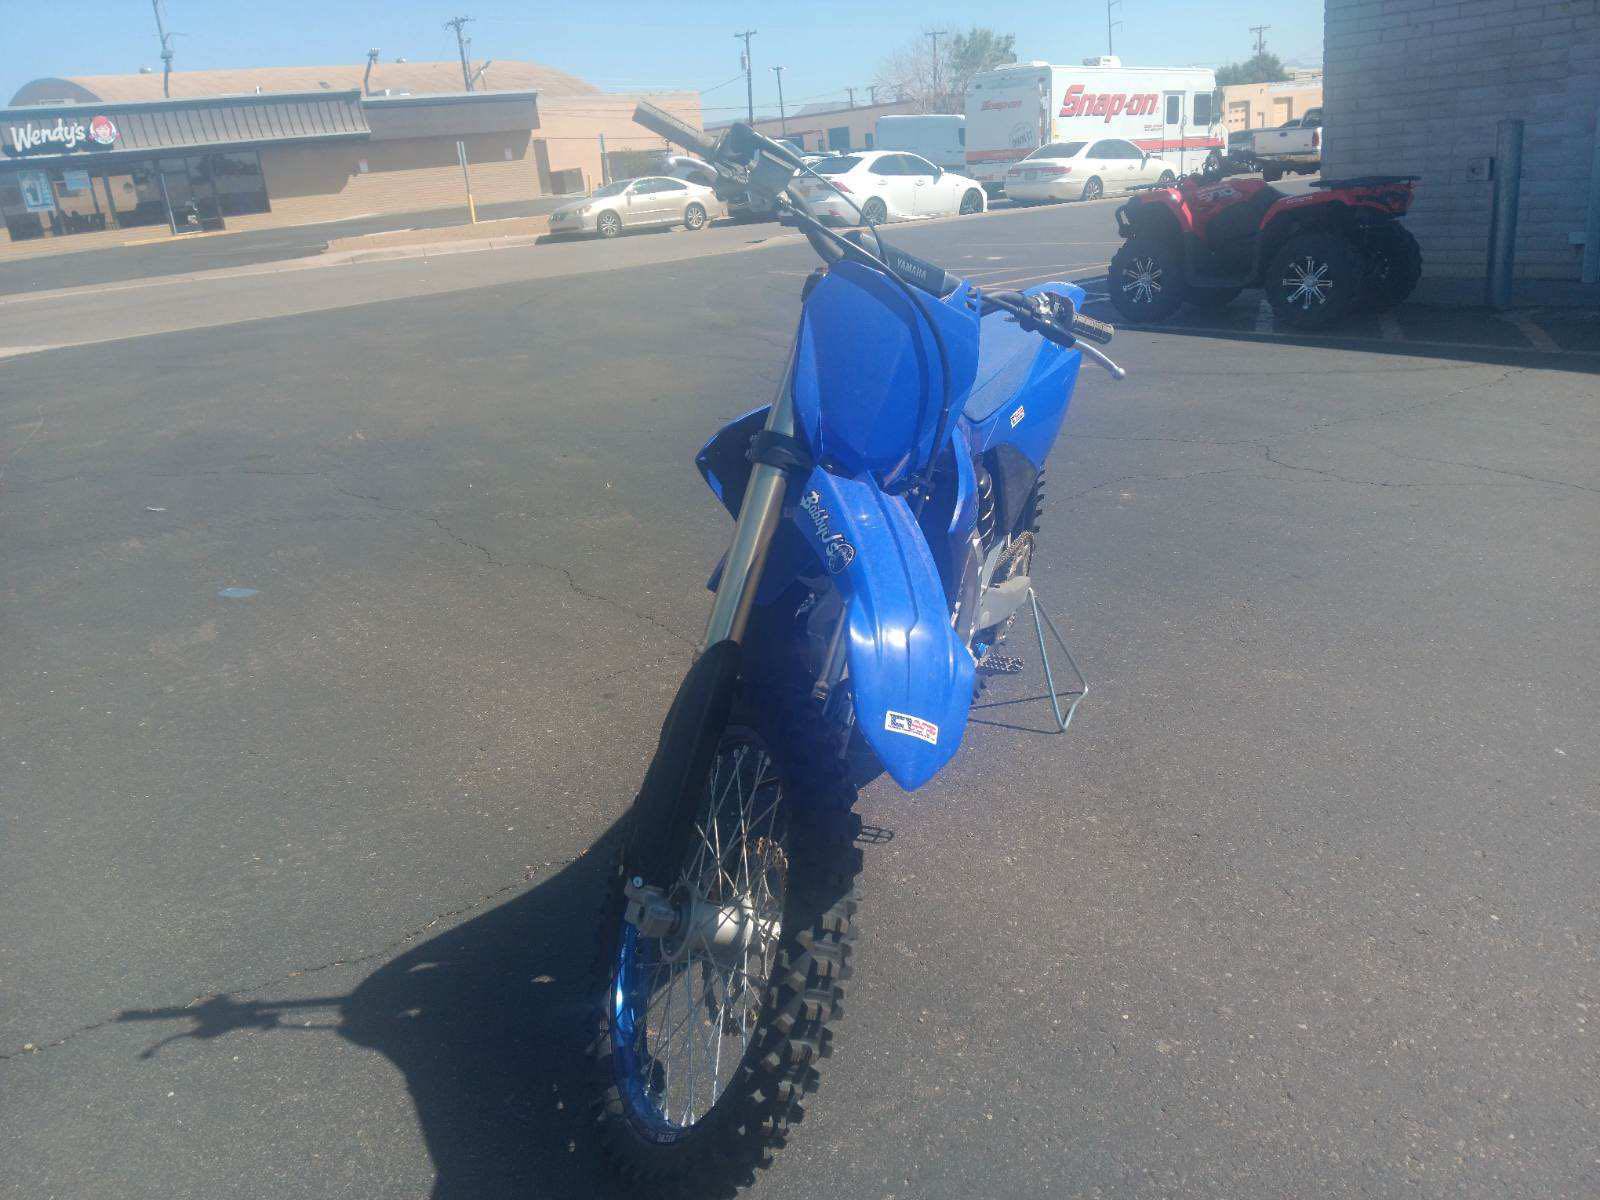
pixel 911 676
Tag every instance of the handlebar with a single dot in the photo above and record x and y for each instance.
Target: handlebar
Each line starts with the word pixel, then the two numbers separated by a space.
pixel 746 160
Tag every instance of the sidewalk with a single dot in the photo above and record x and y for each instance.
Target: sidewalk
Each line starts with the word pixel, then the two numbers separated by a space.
pixel 1525 293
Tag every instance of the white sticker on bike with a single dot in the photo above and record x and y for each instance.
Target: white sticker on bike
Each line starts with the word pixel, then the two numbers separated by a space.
pixel 1016 417
pixel 898 722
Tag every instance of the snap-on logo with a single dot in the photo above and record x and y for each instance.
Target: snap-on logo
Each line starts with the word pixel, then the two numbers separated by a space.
pixel 997 105
pixel 839 553
pixel 899 722
pixel 1077 103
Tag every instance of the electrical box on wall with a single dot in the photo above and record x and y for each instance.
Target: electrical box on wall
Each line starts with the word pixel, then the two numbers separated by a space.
pixel 1480 168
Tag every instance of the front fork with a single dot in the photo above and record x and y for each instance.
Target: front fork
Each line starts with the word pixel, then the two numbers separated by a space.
pixel 758 519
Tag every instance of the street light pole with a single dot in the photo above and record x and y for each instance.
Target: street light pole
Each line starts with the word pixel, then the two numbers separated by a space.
pixel 1111 47
pixel 166 50
pixel 749 82
pixel 783 117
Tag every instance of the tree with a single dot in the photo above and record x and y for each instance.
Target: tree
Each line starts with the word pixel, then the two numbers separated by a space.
pixel 1263 68
pixel 940 84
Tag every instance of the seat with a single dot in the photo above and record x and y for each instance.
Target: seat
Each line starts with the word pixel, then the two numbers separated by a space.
pixel 1005 357
pixel 1240 220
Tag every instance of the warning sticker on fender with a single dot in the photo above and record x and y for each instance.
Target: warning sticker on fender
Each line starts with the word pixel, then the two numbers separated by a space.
pixel 898 722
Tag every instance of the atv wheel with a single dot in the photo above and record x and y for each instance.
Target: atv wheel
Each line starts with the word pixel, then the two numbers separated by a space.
pixel 708 1032
pixel 1393 262
pixel 1211 298
pixel 1146 279
pixel 1314 280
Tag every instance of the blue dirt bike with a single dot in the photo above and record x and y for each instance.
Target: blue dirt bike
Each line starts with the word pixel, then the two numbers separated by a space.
pixel 885 509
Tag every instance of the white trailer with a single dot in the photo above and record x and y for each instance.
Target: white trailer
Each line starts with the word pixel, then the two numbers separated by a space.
pixel 941 138
pixel 1013 110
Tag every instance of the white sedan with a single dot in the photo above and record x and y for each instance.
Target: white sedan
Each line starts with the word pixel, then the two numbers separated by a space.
pixel 887 185
pixel 630 203
pixel 1085 171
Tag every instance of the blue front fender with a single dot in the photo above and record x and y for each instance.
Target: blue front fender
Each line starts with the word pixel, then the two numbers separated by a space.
pixel 911 676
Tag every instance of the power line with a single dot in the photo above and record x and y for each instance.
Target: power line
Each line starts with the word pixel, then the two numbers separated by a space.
pixel 749 82
pixel 458 24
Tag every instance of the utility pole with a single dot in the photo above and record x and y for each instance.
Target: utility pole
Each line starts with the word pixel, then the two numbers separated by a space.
pixel 749 82
pixel 783 117
pixel 366 78
pixel 458 24
pixel 872 93
pixel 1111 47
pixel 166 50
pixel 852 92
pixel 1261 37
pixel 934 35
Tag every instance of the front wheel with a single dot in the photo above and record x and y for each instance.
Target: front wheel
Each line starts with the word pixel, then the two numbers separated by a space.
pixel 720 977
pixel 694 217
pixel 1167 179
pixel 1146 278
pixel 1314 280
pixel 874 212
pixel 1093 189
pixel 608 225
pixel 971 202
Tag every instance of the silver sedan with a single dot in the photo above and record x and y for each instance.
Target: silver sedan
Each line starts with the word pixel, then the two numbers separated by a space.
pixel 652 200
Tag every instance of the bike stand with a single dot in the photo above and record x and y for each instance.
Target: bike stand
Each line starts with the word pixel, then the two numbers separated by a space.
pixel 1041 618
pixel 1006 664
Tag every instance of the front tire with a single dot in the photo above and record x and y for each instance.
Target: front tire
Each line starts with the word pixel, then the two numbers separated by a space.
pixel 1093 189
pixel 874 211
pixel 971 202
pixel 1167 179
pixel 771 840
pixel 1393 266
pixel 694 218
pixel 1146 279
pixel 608 225
pixel 1314 280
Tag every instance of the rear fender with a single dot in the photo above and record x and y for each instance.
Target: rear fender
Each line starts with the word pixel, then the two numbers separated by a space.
pixel 910 674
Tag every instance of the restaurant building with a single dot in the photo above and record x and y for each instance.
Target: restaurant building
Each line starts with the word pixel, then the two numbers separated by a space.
pixel 97 157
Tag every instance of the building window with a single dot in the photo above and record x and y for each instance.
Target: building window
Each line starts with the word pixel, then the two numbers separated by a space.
pixel 240 187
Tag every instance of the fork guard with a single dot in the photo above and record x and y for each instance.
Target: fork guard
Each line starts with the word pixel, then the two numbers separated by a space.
pixel 910 675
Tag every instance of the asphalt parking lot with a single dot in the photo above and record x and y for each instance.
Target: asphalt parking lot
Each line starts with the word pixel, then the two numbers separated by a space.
pixel 297 880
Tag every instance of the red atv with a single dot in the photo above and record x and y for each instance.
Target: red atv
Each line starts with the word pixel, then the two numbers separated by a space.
pixel 1203 241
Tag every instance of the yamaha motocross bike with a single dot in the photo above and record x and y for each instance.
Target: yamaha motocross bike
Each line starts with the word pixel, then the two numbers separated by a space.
pixel 885 505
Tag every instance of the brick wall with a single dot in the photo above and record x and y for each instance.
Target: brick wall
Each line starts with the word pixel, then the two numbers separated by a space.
pixel 1416 87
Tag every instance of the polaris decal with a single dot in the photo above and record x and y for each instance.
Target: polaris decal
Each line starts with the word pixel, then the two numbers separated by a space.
pixel 840 553
pixel 899 722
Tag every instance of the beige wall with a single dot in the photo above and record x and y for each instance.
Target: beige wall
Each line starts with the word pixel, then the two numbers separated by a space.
pixel 571 127
pixel 812 128
pixel 1264 105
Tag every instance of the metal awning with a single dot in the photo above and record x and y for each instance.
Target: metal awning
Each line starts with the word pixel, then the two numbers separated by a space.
pixel 54 133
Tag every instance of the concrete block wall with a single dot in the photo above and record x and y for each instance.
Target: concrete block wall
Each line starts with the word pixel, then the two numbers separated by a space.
pixel 1417 87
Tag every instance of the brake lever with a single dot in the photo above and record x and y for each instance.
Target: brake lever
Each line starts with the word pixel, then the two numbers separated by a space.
pixel 1093 352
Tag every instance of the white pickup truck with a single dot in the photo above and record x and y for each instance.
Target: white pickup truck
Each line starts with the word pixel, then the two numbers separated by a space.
pixel 1293 146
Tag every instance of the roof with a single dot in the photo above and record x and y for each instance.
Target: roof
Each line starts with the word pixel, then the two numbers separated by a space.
pixel 416 77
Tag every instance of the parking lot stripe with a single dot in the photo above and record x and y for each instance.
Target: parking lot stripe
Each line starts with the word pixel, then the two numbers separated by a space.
pixel 1537 337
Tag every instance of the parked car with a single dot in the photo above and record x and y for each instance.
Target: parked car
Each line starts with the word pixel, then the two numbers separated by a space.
pixel 1293 146
pixel 888 185
pixel 1085 171
pixel 652 200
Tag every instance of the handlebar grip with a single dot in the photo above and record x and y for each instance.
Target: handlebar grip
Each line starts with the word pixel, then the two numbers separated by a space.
pixel 659 120
pixel 1092 330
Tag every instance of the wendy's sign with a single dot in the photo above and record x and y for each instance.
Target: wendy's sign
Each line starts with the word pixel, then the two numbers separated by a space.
pixel 63 136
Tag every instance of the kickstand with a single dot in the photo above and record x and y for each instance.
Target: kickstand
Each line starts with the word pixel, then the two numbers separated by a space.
pixel 1041 618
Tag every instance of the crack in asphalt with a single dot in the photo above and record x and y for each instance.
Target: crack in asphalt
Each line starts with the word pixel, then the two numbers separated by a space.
pixel 553 568
pixel 28 1049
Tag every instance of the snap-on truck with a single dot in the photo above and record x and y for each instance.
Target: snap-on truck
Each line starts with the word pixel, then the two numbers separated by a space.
pixel 1015 109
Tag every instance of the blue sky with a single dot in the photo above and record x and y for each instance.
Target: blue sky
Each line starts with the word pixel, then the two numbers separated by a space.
pixel 823 45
